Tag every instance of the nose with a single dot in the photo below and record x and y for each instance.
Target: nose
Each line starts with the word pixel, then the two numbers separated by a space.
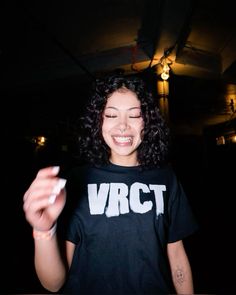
pixel 122 128
pixel 123 125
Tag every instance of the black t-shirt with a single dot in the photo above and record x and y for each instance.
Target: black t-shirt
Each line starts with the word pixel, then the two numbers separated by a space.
pixel 123 220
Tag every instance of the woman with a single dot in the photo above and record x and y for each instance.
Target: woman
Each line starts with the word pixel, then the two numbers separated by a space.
pixel 131 214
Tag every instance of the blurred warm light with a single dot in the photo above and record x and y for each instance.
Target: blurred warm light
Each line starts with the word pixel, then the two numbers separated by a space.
pixel 164 107
pixel 231 89
pixel 230 97
pixel 165 68
pixel 40 141
pixel 220 140
pixel 165 75
pixel 227 138
pixel 162 87
pixel 233 138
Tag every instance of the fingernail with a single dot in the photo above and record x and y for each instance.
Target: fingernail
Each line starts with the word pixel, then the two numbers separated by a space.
pixel 59 186
pixel 62 183
pixel 55 170
pixel 52 199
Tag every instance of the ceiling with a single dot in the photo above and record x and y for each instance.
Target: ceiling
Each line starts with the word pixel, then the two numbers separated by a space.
pixel 45 41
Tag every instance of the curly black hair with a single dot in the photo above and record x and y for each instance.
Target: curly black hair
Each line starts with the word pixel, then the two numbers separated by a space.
pixel 154 149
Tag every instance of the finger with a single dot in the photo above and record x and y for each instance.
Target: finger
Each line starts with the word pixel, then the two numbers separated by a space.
pixel 35 205
pixel 40 187
pixel 52 199
pixel 37 212
pixel 56 190
pixel 36 209
pixel 48 172
pixel 45 188
pixel 44 173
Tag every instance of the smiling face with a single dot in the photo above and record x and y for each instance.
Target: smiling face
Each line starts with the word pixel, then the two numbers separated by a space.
pixel 122 127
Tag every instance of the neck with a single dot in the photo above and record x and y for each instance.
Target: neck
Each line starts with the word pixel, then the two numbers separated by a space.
pixel 124 162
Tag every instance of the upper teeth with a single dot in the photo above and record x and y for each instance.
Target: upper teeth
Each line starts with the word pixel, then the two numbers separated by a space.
pixel 123 139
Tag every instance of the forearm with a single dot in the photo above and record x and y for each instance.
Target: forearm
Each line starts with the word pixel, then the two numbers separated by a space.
pixel 50 266
pixel 182 278
pixel 180 268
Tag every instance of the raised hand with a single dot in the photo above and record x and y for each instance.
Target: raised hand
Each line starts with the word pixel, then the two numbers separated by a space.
pixel 45 199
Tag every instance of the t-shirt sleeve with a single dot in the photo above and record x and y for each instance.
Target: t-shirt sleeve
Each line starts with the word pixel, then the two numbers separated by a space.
pixel 69 220
pixel 73 231
pixel 182 221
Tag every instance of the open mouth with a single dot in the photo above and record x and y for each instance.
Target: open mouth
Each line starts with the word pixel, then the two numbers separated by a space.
pixel 123 139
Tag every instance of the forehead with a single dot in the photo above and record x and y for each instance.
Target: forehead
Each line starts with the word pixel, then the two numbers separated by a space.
pixel 123 99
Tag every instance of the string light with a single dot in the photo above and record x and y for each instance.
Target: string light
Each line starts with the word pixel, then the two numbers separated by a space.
pixel 165 67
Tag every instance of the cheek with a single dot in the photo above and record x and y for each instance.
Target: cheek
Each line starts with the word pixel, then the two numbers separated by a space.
pixel 108 125
pixel 104 135
pixel 103 131
pixel 105 127
pixel 140 128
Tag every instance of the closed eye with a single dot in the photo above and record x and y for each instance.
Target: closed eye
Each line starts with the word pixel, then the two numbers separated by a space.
pixel 134 117
pixel 110 116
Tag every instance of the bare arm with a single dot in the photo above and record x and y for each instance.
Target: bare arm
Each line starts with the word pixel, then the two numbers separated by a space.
pixel 180 268
pixel 50 266
pixel 43 203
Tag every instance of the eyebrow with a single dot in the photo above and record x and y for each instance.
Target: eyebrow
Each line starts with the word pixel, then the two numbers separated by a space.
pixel 130 109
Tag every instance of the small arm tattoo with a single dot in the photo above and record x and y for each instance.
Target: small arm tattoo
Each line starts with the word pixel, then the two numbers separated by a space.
pixel 179 276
